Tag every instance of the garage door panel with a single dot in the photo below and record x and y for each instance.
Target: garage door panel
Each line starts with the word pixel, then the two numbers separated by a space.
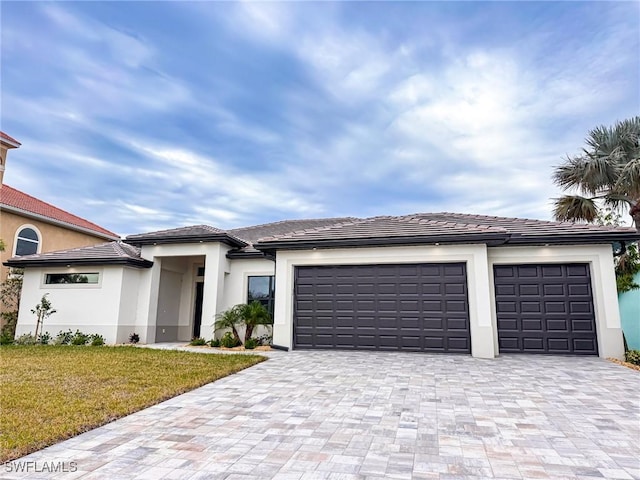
pixel 559 319
pixel 409 306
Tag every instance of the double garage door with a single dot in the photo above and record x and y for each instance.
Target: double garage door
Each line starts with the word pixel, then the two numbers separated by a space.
pixel 424 307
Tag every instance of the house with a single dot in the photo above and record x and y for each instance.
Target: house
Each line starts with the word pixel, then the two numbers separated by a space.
pixel 29 225
pixel 432 282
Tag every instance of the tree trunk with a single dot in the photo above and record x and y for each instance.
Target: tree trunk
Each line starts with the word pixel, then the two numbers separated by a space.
pixel 235 334
pixel 248 332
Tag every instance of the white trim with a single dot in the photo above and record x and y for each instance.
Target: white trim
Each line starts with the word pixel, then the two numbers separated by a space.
pixel 11 143
pixel 70 226
pixel 22 227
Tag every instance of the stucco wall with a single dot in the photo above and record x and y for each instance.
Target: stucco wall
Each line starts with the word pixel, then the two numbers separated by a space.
pixel 89 308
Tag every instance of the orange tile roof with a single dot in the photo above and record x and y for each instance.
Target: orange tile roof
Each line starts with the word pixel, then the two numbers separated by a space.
pixel 10 197
pixel 4 136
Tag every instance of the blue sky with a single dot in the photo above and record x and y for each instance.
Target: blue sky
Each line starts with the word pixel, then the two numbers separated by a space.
pixel 149 115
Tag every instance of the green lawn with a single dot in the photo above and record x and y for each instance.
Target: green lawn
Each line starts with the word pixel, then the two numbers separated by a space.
pixel 49 393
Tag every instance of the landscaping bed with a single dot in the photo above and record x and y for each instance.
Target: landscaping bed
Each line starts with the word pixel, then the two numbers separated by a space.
pixel 50 393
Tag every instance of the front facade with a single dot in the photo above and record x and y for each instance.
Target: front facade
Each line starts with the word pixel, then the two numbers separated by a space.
pixel 445 283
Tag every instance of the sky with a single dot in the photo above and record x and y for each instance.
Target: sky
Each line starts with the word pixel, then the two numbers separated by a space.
pixel 142 116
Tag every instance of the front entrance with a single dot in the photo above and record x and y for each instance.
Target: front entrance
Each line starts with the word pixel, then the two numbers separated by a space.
pixel 197 316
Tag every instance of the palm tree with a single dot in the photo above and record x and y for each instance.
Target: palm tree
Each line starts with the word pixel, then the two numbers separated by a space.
pixel 229 319
pixel 253 315
pixel 607 171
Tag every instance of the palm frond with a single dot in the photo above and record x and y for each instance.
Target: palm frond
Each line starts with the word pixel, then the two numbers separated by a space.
pixel 629 179
pixel 574 208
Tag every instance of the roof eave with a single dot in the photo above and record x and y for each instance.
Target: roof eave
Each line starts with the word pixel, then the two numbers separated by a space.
pixel 574 239
pixel 231 241
pixel 67 225
pixel 41 262
pixel 244 254
pixel 490 239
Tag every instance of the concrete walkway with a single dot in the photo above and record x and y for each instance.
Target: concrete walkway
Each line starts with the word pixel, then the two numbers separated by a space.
pixel 366 415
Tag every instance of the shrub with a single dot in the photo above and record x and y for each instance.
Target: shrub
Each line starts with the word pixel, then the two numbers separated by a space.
pixel 229 341
pixel 79 338
pixel 134 338
pixel 44 338
pixel 632 356
pixel 198 341
pixel 63 338
pixel 96 340
pixel 26 339
pixel 215 342
pixel 264 339
pixel 6 338
pixel 251 343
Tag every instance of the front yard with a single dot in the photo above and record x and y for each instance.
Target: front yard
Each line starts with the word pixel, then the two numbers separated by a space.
pixel 49 393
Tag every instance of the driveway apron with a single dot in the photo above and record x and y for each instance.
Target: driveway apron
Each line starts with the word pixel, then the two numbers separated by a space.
pixel 370 415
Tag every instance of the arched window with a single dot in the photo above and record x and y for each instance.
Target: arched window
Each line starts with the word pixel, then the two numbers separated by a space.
pixel 27 241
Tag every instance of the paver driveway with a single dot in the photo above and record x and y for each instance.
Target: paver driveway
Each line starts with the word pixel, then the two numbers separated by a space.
pixel 307 415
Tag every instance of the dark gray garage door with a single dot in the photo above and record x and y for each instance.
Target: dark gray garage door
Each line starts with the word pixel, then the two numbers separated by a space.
pixel 420 307
pixel 545 309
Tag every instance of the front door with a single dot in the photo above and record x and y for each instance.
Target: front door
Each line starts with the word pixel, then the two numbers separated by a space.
pixel 197 316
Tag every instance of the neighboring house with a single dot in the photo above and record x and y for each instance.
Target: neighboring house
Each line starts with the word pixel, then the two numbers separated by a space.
pixel 425 282
pixel 29 225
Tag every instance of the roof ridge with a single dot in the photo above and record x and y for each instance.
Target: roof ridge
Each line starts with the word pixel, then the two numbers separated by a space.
pixel 98 227
pixel 280 222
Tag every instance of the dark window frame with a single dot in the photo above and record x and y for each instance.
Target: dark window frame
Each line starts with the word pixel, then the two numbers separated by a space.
pixel 25 239
pixel 72 278
pixel 269 301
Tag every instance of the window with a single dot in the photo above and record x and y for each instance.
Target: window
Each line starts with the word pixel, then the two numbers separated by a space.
pixel 66 278
pixel 27 241
pixel 262 289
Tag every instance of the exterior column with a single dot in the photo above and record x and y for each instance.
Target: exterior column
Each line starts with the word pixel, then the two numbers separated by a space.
pixel 483 332
pixel 214 264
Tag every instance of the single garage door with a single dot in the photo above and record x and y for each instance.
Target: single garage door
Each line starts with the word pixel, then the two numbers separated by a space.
pixel 420 307
pixel 545 309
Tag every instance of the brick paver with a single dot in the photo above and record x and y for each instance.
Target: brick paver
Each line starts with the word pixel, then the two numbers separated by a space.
pixel 370 415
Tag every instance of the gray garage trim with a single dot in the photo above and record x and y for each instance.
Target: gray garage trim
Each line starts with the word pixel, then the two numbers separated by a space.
pixel 420 307
pixel 545 308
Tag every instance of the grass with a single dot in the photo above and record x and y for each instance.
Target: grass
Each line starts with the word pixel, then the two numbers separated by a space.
pixel 50 393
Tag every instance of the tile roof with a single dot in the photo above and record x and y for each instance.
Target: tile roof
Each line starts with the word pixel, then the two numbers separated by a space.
pixel 195 233
pixel 4 136
pixel 253 233
pixel 118 253
pixel 12 199
pixel 446 228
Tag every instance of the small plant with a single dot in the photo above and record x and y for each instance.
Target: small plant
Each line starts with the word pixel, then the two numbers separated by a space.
pixel 26 339
pixel 96 340
pixel 42 311
pixel 44 338
pixel 79 338
pixel 63 338
pixel 134 338
pixel 251 343
pixel 229 341
pixel 215 342
pixel 6 338
pixel 264 339
pixel 198 342
pixel 632 356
